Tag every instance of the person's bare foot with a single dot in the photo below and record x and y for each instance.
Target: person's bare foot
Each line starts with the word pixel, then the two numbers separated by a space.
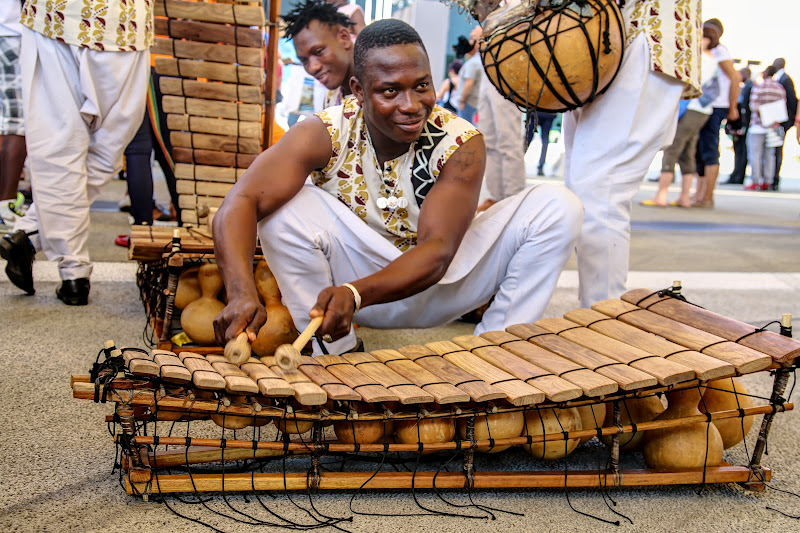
pixel 485 205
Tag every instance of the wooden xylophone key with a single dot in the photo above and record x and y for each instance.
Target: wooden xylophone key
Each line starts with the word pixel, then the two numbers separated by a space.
pixel 442 392
pixel 335 389
pixel 592 384
pixel 203 374
pixel 705 367
pixel 746 360
pixel 779 347
pixel 236 380
pixel 517 391
pixel 478 390
pixel 628 378
pixel 269 384
pixel 555 388
pixel 139 362
pixel 370 390
pixel 666 372
pixel 373 368
pixel 171 368
pixel 306 392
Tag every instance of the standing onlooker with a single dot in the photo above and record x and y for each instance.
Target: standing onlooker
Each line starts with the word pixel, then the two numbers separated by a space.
pixel 12 124
pixel 354 12
pixel 725 107
pixel 762 158
pixel 544 122
pixel 469 79
pixel 738 130
pixel 791 111
pixel 84 81
pixel 444 96
pixel 500 121
pixel 611 142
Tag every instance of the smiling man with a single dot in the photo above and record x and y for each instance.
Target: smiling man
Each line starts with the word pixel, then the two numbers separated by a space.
pixel 324 45
pixel 387 228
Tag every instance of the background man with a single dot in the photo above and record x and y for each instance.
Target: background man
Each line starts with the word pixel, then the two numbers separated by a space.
pixel 387 229
pixel 791 109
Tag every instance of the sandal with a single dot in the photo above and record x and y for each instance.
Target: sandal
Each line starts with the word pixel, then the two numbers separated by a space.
pixel 651 203
pixel 675 203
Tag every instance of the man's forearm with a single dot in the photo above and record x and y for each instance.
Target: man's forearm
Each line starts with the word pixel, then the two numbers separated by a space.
pixel 234 245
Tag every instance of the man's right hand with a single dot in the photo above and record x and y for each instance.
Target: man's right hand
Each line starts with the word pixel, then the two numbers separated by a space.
pixel 241 314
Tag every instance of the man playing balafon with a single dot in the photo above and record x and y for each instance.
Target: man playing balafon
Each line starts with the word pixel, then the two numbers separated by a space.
pixel 391 212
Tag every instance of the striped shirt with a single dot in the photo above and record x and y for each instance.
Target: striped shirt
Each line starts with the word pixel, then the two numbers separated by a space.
pixel 763 93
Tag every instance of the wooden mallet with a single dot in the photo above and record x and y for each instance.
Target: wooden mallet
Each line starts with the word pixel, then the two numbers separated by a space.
pixel 288 355
pixel 237 351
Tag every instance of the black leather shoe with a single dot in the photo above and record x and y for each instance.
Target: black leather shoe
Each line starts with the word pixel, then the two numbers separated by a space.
pixel 74 291
pixel 17 249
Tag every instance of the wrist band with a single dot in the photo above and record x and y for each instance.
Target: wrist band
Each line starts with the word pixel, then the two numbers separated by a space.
pixel 356 296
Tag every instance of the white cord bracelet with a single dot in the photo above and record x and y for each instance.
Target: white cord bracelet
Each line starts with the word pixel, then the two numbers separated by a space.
pixel 356 296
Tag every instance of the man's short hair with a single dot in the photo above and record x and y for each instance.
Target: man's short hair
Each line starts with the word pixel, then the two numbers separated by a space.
pixel 769 71
pixel 382 34
pixel 779 63
pixel 300 17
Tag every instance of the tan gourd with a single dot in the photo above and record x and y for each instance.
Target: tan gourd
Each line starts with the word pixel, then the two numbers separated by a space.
pixel 592 417
pixel 425 430
pixel 231 421
pixel 636 410
pixel 197 320
pixel 681 447
pixel 719 396
pixel 545 421
pixel 279 328
pixel 292 425
pixel 360 431
pixel 497 426
pixel 188 288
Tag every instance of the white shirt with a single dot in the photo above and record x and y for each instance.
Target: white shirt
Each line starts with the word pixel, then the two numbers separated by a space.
pixel 9 18
pixel 721 53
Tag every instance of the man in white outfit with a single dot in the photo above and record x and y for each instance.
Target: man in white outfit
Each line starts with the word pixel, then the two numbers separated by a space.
pixel 85 75
pixel 386 230
pixel 611 142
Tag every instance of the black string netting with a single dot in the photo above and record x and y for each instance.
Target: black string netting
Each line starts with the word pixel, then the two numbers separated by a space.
pixel 541 28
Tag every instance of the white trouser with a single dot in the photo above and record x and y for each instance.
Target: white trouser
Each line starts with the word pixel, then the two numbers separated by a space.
pixel 501 124
pixel 516 249
pixel 82 108
pixel 610 144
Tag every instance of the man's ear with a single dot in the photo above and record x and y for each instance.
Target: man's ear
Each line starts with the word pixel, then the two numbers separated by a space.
pixel 357 89
pixel 344 37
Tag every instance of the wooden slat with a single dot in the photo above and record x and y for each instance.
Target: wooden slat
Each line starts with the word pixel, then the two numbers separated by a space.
pixel 225 13
pixel 666 372
pixel 705 367
pixel 208 32
pixel 140 363
pixel 237 381
pixel 628 378
pixel 228 92
pixel 369 389
pixel 203 374
pixel 207 173
pixel 171 367
pixel 219 126
pixel 593 385
pixel 371 367
pixel 746 360
pixel 269 384
pixel 189 68
pixel 330 384
pixel 443 393
pixel 212 157
pixel 305 391
pixel 205 141
pixel 221 53
pixel 517 391
pixel 478 390
pixel 555 388
pixel 203 188
pixel 189 201
pixel 781 348
pixel 201 107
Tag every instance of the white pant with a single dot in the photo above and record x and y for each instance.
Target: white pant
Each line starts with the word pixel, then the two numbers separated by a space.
pixel 500 121
pixel 516 249
pixel 82 108
pixel 610 144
